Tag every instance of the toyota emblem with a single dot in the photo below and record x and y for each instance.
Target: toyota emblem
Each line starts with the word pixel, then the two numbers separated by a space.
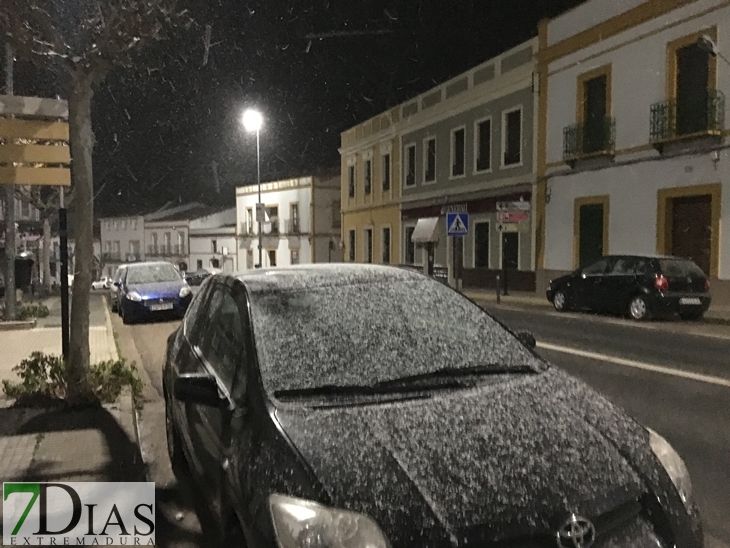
pixel 576 532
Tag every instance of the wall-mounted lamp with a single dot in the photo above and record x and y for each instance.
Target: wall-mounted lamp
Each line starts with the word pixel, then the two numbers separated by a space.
pixel 548 195
pixel 708 45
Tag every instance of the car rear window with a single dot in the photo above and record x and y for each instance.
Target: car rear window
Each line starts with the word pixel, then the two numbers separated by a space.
pixel 679 268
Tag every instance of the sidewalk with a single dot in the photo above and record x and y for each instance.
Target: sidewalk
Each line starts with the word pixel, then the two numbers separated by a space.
pixel 716 314
pixel 97 443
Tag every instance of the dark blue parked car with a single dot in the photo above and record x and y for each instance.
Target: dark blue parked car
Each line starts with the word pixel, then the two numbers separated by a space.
pixel 151 289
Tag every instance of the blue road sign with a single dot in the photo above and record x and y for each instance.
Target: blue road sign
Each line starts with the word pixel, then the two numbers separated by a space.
pixel 457 224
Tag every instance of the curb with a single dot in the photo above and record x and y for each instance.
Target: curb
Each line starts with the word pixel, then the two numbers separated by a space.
pixel 111 343
pixel 17 325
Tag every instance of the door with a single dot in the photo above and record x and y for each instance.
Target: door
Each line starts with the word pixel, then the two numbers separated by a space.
pixel 590 235
pixel 594 133
pixel 587 286
pixel 510 250
pixel 619 284
pixel 458 257
pixel 693 71
pixel 219 354
pixel 692 229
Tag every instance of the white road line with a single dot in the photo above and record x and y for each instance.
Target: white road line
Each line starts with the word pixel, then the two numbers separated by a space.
pixel 636 364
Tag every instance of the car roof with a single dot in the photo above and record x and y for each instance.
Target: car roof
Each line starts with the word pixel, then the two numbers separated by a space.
pixel 149 263
pixel 646 256
pixel 293 278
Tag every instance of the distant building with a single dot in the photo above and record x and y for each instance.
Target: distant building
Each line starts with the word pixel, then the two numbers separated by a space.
pixel 302 222
pixel 214 248
pixel 633 156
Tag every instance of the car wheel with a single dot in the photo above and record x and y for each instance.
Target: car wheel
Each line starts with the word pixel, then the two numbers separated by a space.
pixel 174 447
pixel 638 309
pixel 691 316
pixel 560 301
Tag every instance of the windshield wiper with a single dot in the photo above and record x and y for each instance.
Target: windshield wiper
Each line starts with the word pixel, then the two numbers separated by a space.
pixel 457 372
pixel 353 390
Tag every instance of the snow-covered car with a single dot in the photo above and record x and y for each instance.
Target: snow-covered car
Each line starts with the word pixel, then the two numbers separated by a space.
pixel 362 405
pixel 101 283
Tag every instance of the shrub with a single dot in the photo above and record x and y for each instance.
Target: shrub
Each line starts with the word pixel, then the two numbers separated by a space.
pixel 43 378
pixel 33 310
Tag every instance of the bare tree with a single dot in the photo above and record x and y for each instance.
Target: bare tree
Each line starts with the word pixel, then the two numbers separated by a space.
pixel 87 39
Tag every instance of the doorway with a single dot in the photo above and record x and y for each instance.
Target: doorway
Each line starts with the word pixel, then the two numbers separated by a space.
pixel 691 232
pixel 591 232
pixel 510 250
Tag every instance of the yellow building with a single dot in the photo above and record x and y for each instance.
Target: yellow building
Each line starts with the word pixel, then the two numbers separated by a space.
pixel 371 186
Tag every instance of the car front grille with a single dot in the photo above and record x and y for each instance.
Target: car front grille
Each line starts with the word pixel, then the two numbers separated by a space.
pixel 164 300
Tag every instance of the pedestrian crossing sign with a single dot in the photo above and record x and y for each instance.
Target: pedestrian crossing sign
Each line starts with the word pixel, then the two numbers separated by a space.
pixel 457 224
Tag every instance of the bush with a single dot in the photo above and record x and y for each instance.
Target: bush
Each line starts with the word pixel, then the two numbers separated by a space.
pixel 33 310
pixel 43 378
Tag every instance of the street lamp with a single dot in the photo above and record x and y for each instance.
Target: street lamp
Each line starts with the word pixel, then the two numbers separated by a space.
pixel 252 122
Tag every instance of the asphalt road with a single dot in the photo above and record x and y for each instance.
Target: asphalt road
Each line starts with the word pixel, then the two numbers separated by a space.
pixel 668 376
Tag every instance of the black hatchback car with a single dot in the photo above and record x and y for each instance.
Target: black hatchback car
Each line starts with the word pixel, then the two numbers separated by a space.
pixel 638 285
pixel 369 406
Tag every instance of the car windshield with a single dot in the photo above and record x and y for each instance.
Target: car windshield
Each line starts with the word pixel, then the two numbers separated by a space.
pixel 680 269
pixel 368 333
pixel 153 273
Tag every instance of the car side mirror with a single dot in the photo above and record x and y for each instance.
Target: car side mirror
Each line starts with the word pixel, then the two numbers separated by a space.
pixel 197 388
pixel 527 338
pixel 117 284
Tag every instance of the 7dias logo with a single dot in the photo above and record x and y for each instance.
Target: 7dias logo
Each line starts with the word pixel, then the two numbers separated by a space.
pixel 76 513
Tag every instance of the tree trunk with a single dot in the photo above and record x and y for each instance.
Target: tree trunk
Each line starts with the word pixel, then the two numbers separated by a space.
pixel 82 144
pixel 46 254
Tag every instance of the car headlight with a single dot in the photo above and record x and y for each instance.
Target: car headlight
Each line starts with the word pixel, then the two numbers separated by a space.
pixel 673 464
pixel 134 296
pixel 184 292
pixel 302 523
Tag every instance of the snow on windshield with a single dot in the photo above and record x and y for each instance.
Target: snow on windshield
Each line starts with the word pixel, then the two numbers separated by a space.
pixel 363 333
pixel 152 273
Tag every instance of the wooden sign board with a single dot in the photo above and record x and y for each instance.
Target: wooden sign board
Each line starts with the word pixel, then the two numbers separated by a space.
pixel 45 176
pixel 35 107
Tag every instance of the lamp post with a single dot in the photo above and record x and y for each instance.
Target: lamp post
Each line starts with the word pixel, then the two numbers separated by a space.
pixel 252 122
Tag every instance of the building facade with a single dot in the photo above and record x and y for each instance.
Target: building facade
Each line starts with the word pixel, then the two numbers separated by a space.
pixel 122 240
pixel 302 223
pixel 371 185
pixel 214 248
pixel 635 168
pixel 468 145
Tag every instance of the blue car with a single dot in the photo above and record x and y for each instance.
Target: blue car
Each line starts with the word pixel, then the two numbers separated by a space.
pixel 152 289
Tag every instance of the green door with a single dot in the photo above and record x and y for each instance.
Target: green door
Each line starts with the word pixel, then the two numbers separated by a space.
pixel 590 237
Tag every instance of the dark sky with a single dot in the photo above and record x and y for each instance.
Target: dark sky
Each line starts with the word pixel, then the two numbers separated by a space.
pixel 314 69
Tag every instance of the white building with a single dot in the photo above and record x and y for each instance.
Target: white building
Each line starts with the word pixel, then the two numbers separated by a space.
pixel 121 241
pixel 633 154
pixel 214 248
pixel 302 222
pixel 167 234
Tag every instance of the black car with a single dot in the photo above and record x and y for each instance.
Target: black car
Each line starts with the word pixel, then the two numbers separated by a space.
pixel 638 285
pixel 371 406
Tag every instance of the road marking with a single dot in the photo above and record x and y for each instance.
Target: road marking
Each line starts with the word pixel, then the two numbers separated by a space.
pixel 636 364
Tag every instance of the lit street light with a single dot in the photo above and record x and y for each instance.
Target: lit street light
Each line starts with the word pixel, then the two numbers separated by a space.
pixel 252 122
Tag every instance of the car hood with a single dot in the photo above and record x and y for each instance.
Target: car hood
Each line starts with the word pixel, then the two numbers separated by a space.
pixel 510 458
pixel 157 290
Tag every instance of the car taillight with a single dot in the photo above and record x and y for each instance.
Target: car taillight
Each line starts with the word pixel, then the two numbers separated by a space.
pixel 707 286
pixel 661 283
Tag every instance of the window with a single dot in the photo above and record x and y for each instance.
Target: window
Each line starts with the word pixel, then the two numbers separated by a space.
pixel 153 248
pixel 481 245
pixel 351 181
pixel 512 137
pixel 199 264
pixel 386 172
pixel 181 242
pixel 134 224
pixel 368 245
pixel 249 259
pixel 117 247
pixel 294 217
pixel 107 246
pixel 594 93
pixel 215 263
pixel 483 145
pixel 272 257
pixel 368 176
pixel 458 151
pixel 410 165
pixel 294 256
pixel 221 345
pixel 168 242
pixel 336 211
pixel 249 220
pixel 410 247
pixel 272 214
pixel 429 160
pixel 351 242
pixel 115 224
pixel 597 268
pixel 124 224
pixel 386 244
pixel 25 209
pixel 134 248
pixel 214 246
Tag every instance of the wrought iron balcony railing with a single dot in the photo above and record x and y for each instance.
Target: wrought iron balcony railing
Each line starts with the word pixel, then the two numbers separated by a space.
pixel 293 226
pixel 703 114
pixel 589 138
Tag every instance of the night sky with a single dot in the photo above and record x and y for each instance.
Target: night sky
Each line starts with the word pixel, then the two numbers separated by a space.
pixel 165 128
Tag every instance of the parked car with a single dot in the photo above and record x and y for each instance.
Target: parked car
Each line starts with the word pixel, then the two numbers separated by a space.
pixel 101 283
pixel 114 288
pixel 198 277
pixel 365 405
pixel 638 285
pixel 150 289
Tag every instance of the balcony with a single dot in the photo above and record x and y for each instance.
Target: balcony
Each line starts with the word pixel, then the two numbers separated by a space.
pixel 293 226
pixel 589 140
pixel 171 250
pixel 111 256
pixel 696 117
pixel 247 230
